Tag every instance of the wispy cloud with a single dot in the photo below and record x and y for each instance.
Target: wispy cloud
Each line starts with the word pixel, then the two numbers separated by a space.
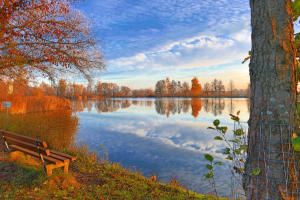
pixel 167 37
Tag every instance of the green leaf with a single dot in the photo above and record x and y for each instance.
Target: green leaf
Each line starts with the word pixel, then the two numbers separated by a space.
pixel 234 118
pixel 237 151
pixel 238 132
pixel 226 151
pixel 296 9
pixel 208 175
pixel 218 138
pixel 238 112
pixel 245 59
pixel 209 157
pixel 223 129
pixel 256 171
pixel 208 166
pixel 218 163
pixel 234 141
pixel 216 122
pixel 229 157
pixel 211 128
pixel 296 143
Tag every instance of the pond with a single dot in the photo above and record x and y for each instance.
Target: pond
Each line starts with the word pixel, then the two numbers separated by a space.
pixel 167 137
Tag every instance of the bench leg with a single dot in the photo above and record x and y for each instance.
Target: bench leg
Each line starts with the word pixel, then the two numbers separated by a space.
pixel 49 170
pixel 66 168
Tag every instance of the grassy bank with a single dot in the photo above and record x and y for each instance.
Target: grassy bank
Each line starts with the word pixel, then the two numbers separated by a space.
pixel 90 178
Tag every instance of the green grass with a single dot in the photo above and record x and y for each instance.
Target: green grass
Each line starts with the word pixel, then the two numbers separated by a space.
pixel 98 179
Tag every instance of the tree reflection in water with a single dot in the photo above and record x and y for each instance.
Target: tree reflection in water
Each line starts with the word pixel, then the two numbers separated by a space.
pixel 50 121
pixel 163 106
pixel 215 106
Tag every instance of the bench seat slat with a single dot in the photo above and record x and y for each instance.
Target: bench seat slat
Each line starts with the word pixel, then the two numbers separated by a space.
pixel 46 158
pixel 26 145
pixel 72 158
pixel 23 138
pixel 63 159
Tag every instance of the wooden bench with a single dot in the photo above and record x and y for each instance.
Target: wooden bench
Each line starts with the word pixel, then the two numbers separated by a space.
pixel 37 148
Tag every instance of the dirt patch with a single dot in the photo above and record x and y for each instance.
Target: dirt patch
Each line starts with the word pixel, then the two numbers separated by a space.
pixel 8 171
pixel 86 178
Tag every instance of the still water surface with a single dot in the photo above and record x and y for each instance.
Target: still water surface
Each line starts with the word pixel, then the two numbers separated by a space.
pixel 167 137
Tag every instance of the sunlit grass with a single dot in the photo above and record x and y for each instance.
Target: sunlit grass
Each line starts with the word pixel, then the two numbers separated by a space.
pixel 89 178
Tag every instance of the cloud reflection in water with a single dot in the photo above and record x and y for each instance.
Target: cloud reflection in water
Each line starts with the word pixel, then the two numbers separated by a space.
pixel 163 136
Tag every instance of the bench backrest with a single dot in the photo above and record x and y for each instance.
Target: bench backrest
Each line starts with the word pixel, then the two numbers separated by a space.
pixel 21 142
pixel 23 138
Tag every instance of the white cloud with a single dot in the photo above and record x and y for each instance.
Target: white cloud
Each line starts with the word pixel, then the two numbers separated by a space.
pixel 194 52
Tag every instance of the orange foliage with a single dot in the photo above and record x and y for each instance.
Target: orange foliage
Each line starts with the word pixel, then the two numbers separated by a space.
pixel 39 92
pixel 25 104
pixel 196 87
pixel 36 35
pixel 196 106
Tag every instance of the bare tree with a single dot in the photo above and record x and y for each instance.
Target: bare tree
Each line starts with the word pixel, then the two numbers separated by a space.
pixel 231 86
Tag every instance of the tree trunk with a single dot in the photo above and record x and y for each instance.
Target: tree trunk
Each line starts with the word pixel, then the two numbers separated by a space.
pixel 273 114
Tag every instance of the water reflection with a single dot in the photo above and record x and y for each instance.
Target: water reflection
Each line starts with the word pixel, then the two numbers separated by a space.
pixel 46 118
pixel 215 106
pixel 163 136
pixel 164 106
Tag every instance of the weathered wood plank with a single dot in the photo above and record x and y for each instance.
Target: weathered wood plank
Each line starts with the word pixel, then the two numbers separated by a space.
pixel 23 138
pixel 32 153
pixel 72 158
pixel 63 159
pixel 26 145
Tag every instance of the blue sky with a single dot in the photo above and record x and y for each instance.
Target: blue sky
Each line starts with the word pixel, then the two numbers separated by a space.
pixel 144 41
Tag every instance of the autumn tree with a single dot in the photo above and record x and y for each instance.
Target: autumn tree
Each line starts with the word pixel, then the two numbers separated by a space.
pixel 196 87
pixel 185 88
pixel 37 91
pixel 48 89
pixel 45 38
pixel 161 88
pixel 125 91
pixel 273 100
pixel 62 88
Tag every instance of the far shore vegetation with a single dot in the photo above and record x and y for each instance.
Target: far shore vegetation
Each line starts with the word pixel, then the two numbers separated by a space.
pixel 163 88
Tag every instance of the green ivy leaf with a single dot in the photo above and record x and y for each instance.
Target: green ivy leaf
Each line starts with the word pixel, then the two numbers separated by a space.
pixel 223 129
pixel 239 132
pixel 296 143
pixel 234 141
pixel 226 151
pixel 211 128
pixel 256 171
pixel 234 118
pixel 216 122
pixel 218 163
pixel 209 157
pixel 218 138
pixel 229 157
pixel 208 166
pixel 208 176
pixel 237 151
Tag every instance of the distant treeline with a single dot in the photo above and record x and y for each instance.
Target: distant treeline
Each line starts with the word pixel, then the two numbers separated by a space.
pixel 163 88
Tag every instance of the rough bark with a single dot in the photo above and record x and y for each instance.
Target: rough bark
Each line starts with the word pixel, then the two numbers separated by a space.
pixel 273 99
